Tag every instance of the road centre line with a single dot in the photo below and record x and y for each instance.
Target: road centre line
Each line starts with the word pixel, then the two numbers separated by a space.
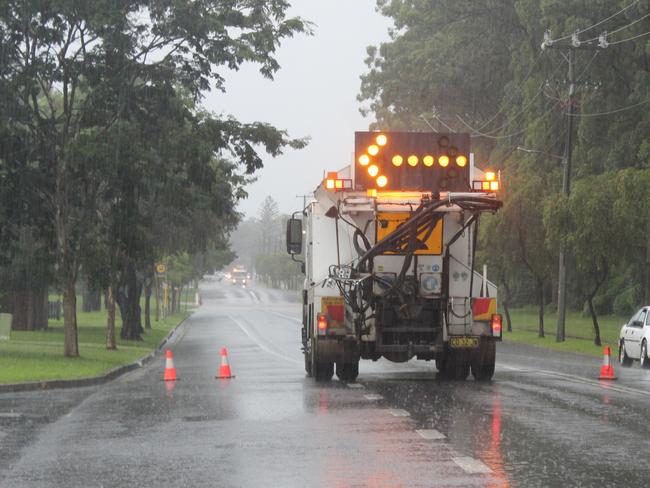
pixel 431 434
pixel 373 396
pixel 357 386
pixel 471 465
pixel 10 415
pixel 262 346
pixel 398 412
pixel 578 379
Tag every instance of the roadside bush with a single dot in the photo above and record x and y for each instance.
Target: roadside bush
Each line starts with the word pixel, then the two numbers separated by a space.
pixel 627 302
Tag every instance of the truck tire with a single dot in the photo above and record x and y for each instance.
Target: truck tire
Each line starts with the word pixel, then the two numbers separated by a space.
pixel 347 371
pixel 483 361
pixel 456 365
pixel 322 371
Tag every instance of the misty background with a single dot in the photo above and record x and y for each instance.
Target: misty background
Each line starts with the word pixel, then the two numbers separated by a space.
pixel 313 95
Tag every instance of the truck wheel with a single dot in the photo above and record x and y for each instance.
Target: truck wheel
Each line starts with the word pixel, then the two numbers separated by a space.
pixel 323 371
pixel 483 361
pixel 455 366
pixel 347 371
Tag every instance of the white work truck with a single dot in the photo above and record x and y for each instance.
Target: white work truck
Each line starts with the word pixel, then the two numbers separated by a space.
pixel 388 245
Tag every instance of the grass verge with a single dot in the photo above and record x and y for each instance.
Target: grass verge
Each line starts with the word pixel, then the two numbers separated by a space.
pixel 38 355
pixel 579 331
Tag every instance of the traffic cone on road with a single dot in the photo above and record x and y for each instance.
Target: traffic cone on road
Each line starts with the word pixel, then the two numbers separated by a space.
pixel 607 370
pixel 224 369
pixel 170 370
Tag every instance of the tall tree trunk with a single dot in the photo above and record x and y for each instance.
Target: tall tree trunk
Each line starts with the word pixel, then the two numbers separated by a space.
pixel 111 343
pixel 604 266
pixel 71 344
pixel 540 295
pixel 29 309
pixel 594 319
pixel 158 298
pixel 506 302
pixel 92 297
pixel 127 296
pixel 147 303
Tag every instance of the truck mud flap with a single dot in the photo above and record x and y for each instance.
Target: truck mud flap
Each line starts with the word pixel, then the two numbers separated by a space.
pixel 338 350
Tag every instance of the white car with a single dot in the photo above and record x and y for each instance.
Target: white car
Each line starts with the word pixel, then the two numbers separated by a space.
pixel 634 340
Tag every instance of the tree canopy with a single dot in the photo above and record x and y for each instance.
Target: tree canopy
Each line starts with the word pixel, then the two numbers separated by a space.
pixel 477 66
pixel 108 149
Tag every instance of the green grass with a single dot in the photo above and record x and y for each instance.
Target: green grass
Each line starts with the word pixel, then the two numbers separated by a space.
pixel 579 331
pixel 38 355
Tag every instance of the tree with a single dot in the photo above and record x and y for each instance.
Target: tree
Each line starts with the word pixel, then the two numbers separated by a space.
pixel 73 69
pixel 268 226
pixel 493 81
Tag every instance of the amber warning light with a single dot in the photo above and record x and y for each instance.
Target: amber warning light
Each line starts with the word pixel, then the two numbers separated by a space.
pixel 411 161
pixel 490 183
pixel 333 182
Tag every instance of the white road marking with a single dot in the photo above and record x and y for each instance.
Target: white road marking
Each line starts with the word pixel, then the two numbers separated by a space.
pixel 355 385
pixel 287 317
pixel 398 412
pixel 471 465
pixel 253 296
pixel 10 415
pixel 579 379
pixel 431 434
pixel 373 396
pixel 262 346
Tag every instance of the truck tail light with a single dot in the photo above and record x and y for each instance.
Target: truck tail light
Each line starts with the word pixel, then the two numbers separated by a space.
pixel 322 323
pixel 497 327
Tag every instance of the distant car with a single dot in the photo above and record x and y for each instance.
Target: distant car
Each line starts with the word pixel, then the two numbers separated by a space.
pixel 634 340
pixel 239 278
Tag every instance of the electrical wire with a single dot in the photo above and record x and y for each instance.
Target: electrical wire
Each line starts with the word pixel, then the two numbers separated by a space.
pixel 518 88
pixel 629 39
pixel 619 29
pixel 516 115
pixel 512 134
pixel 622 109
pixel 584 70
pixel 597 23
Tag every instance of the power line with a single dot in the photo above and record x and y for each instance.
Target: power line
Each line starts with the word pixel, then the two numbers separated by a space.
pixel 610 112
pixel 596 24
pixel 607 34
pixel 584 70
pixel 477 134
pixel 629 38
pixel 518 88
pixel 516 115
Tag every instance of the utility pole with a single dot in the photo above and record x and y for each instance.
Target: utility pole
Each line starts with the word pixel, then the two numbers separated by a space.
pixel 304 200
pixel 571 48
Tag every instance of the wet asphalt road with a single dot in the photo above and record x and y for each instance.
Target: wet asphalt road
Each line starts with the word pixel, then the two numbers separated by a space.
pixel 543 421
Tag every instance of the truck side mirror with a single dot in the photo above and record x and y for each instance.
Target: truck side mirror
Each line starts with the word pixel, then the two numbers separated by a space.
pixel 294 236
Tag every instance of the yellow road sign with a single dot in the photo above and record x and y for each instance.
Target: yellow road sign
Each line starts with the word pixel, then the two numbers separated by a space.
pixel 161 268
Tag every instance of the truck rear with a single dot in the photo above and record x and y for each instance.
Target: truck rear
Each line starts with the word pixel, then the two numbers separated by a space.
pixel 389 245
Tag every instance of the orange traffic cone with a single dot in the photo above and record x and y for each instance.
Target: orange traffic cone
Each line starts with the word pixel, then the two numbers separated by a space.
pixel 224 369
pixel 170 370
pixel 607 370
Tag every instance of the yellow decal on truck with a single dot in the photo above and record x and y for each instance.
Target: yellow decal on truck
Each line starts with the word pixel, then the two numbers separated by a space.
pixel 334 308
pixel 387 222
pixel 483 308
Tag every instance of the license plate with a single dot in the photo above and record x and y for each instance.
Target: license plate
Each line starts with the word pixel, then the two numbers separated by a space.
pixel 463 341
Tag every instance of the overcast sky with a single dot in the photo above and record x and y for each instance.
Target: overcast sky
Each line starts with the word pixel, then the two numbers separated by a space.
pixel 313 94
